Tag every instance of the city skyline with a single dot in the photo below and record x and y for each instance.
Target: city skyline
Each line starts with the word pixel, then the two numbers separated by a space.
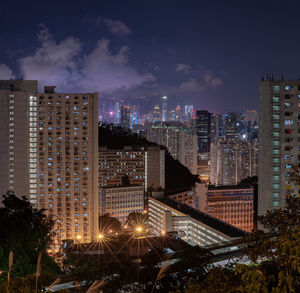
pixel 202 57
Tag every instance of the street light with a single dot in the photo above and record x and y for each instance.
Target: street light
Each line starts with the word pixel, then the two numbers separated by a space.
pixel 139 229
pixel 100 236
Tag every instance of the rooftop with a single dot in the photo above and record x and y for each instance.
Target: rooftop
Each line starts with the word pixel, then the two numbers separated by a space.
pixel 229 187
pixel 204 218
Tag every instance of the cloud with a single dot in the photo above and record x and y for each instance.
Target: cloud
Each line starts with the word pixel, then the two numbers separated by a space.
pixel 185 68
pixel 53 63
pixel 195 85
pixel 64 65
pixel 116 27
pixel 5 72
pixel 192 85
pixel 211 80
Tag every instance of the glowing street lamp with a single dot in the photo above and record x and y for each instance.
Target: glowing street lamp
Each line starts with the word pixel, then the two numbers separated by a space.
pixel 139 229
pixel 100 236
pixel 163 233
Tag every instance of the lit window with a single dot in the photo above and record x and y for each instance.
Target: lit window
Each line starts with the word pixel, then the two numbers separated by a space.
pixel 288 122
pixel 287 88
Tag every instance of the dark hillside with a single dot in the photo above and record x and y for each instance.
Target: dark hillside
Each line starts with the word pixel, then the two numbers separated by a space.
pixel 114 137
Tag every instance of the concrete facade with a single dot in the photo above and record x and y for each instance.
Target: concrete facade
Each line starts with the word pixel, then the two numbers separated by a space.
pixel 68 162
pixel 180 141
pixel 233 205
pixel 119 202
pixel 17 145
pixel 279 138
pixel 233 160
pixel 192 226
pixel 143 166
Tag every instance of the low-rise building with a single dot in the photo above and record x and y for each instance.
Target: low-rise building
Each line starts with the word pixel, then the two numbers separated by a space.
pixel 120 201
pixel 191 225
pixel 232 204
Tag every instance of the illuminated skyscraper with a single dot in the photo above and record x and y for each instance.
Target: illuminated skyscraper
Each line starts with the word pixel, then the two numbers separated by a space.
pixel 156 113
pixel 203 125
pixel 217 127
pixel 234 125
pixel 188 112
pixel 117 113
pixel 125 117
pixel 178 113
pixel 251 124
pixel 164 108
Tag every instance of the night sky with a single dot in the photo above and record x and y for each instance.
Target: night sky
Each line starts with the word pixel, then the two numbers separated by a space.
pixel 207 53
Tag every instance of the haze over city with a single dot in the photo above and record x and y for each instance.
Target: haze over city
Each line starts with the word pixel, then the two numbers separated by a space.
pixel 208 53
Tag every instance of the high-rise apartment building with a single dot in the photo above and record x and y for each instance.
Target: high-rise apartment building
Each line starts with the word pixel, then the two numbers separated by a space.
pixel 67 155
pixel 143 166
pixel 18 138
pixel 217 127
pixel 251 124
pixel 203 125
pixel 180 141
pixel 49 148
pixel 125 117
pixel 279 137
pixel 233 125
pixel 164 108
pixel 232 160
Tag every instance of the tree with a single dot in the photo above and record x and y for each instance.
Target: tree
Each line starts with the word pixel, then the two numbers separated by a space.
pixel 107 224
pixel 274 254
pixel 135 219
pixel 26 231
